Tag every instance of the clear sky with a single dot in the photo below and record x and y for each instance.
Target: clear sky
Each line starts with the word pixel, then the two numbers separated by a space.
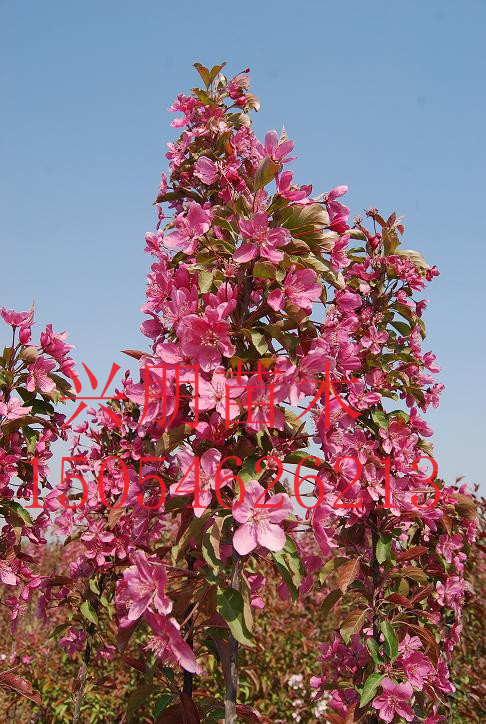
pixel 386 97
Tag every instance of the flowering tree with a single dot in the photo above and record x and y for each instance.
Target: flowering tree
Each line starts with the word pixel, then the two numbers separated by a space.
pixel 281 334
pixel 32 380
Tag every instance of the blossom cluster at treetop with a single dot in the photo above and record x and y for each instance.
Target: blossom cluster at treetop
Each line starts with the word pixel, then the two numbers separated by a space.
pixel 248 266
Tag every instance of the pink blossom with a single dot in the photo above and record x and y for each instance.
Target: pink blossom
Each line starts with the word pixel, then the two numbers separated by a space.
pixel 206 339
pixel 441 679
pixel 73 640
pixel 190 226
pixel 448 545
pixel 106 653
pixel 419 424
pixel 182 302
pixel 339 257
pixel 260 526
pixel 409 644
pixel 167 643
pixel 394 700
pixel 7 576
pixel 99 542
pixel 25 335
pixel 277 150
pixel 374 339
pixel 361 399
pixel 338 213
pixel 394 437
pixel 8 466
pixel 348 301
pixel 451 593
pixel 13 409
pixel 300 380
pixel 336 192
pixel 38 376
pixel 17 318
pixel 218 393
pixel 291 192
pixel 417 668
pixel 264 239
pixel 301 289
pixel 206 170
pixel 260 401
pixel 206 472
pixel 54 344
pixel 145 583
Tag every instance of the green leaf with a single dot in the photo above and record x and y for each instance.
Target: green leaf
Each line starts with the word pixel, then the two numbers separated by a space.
pixel 205 280
pixel 93 586
pixel 320 265
pixel 297 457
pixel 266 172
pixel 88 612
pixel 60 628
pixel 306 223
pixel 380 418
pixel 211 544
pixel 401 327
pixel 247 471
pixel 31 438
pixel 138 697
pixel 15 514
pixel 202 95
pixel 391 641
pixel 374 650
pixel 414 573
pixel 230 605
pixel 258 341
pixel 383 548
pixel 290 567
pixel 224 224
pixel 369 689
pixel 264 270
pixel 193 530
pixel 162 703
pixel 29 354
pixel 41 407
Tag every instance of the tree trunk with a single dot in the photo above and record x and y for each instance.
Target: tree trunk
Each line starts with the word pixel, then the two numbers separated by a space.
pixel 375 568
pixel 188 681
pixel 232 673
pixel 83 672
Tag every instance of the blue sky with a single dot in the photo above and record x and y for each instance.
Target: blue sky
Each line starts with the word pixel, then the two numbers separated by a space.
pixel 386 97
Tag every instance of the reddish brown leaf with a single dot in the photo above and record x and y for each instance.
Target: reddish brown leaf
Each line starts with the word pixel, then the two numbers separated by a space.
pixel 135 353
pixel 247 713
pixel 20 685
pixel 185 712
pixel 114 516
pixel 347 573
pixel 123 636
pixel 400 600
pixel 422 593
pixel 427 639
pixel 415 552
pixel 135 664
